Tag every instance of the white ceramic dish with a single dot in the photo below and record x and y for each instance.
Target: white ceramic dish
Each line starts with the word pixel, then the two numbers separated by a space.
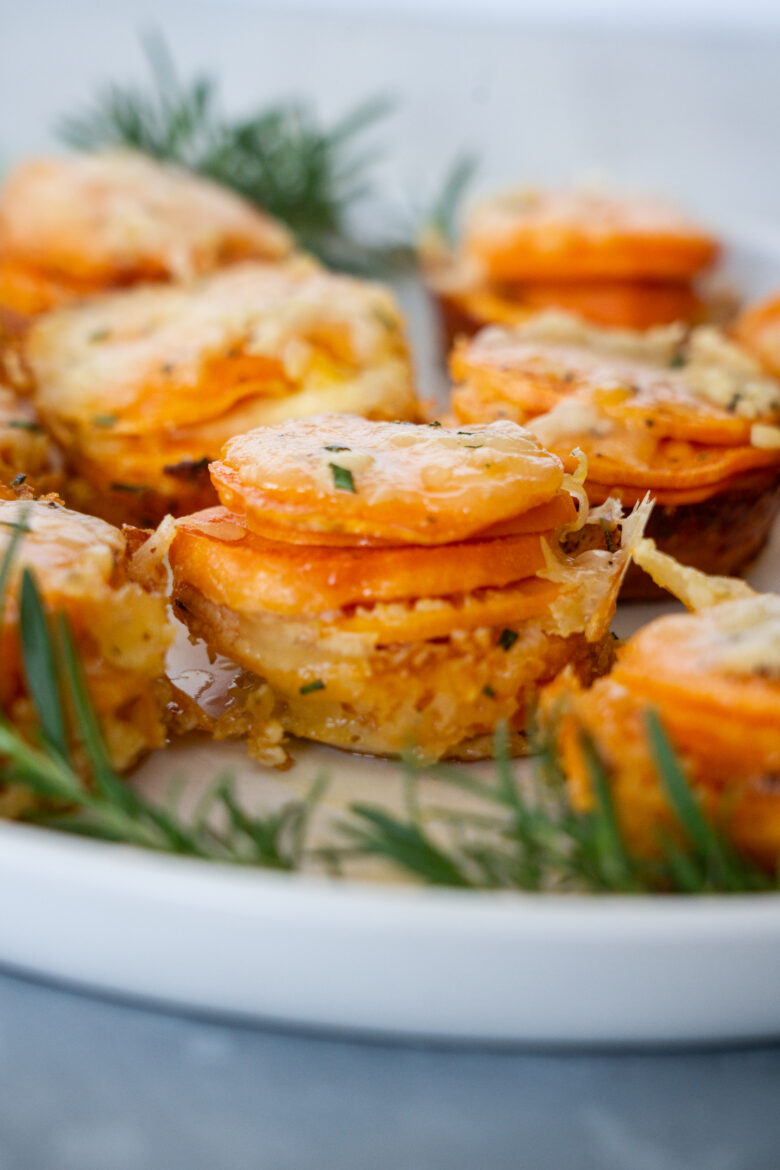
pixel 385 959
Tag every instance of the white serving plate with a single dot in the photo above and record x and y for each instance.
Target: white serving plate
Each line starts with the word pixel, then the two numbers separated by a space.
pixel 387 959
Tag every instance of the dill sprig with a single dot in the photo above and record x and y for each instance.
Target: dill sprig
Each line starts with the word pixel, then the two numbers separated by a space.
pixel 512 837
pixel 280 158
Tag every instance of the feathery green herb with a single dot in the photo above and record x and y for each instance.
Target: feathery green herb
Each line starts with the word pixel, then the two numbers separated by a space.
pixel 531 839
pixel 443 215
pixel 280 158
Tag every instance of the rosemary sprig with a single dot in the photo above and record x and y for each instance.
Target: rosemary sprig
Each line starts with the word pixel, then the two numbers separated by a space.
pixel 443 215
pixel 280 158
pixel 534 840
pixel 512 839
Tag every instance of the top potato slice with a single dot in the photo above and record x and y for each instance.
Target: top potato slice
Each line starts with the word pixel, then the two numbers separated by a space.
pixel 715 675
pixel 579 234
pixel 398 482
pixel 109 219
pixel 702 387
pixel 165 357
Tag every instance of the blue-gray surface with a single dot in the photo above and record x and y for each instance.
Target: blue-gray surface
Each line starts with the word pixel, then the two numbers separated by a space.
pixel 92 1085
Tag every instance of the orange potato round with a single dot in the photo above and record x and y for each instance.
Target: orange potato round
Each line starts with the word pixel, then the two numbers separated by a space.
pixel 486 609
pixel 105 220
pixel 529 376
pixel 689 681
pixel 245 571
pixel 172 357
pixel 582 235
pixel 402 482
pixel 627 304
pixel 758 328
pixel 640 460
pixel 714 679
pixel 559 511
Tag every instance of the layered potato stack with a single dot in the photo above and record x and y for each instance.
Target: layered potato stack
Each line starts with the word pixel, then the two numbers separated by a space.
pixel 713 677
pixel 397 586
pixel 73 227
pixel 141 388
pixel 121 629
pixel 612 259
pixel 690 417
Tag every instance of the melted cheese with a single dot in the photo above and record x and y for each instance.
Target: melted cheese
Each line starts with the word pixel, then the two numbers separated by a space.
pixel 722 372
pixel 745 636
pixel 696 590
pixel 142 356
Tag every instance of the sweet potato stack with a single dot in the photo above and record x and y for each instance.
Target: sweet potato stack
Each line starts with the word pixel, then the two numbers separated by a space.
pixel 396 585
pixel 71 227
pixel 690 417
pixel 142 387
pixel 713 679
pixel 614 260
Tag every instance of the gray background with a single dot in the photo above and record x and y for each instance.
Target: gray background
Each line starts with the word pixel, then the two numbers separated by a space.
pixel 90 1085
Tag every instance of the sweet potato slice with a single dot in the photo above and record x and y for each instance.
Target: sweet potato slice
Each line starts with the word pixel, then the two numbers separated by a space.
pixel 403 483
pixel 237 568
pixel 707 400
pixel 578 235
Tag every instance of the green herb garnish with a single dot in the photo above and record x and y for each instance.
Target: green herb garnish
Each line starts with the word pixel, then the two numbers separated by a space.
pixel 310 687
pixel 507 639
pixel 105 420
pixel 342 478
pixel 25 424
